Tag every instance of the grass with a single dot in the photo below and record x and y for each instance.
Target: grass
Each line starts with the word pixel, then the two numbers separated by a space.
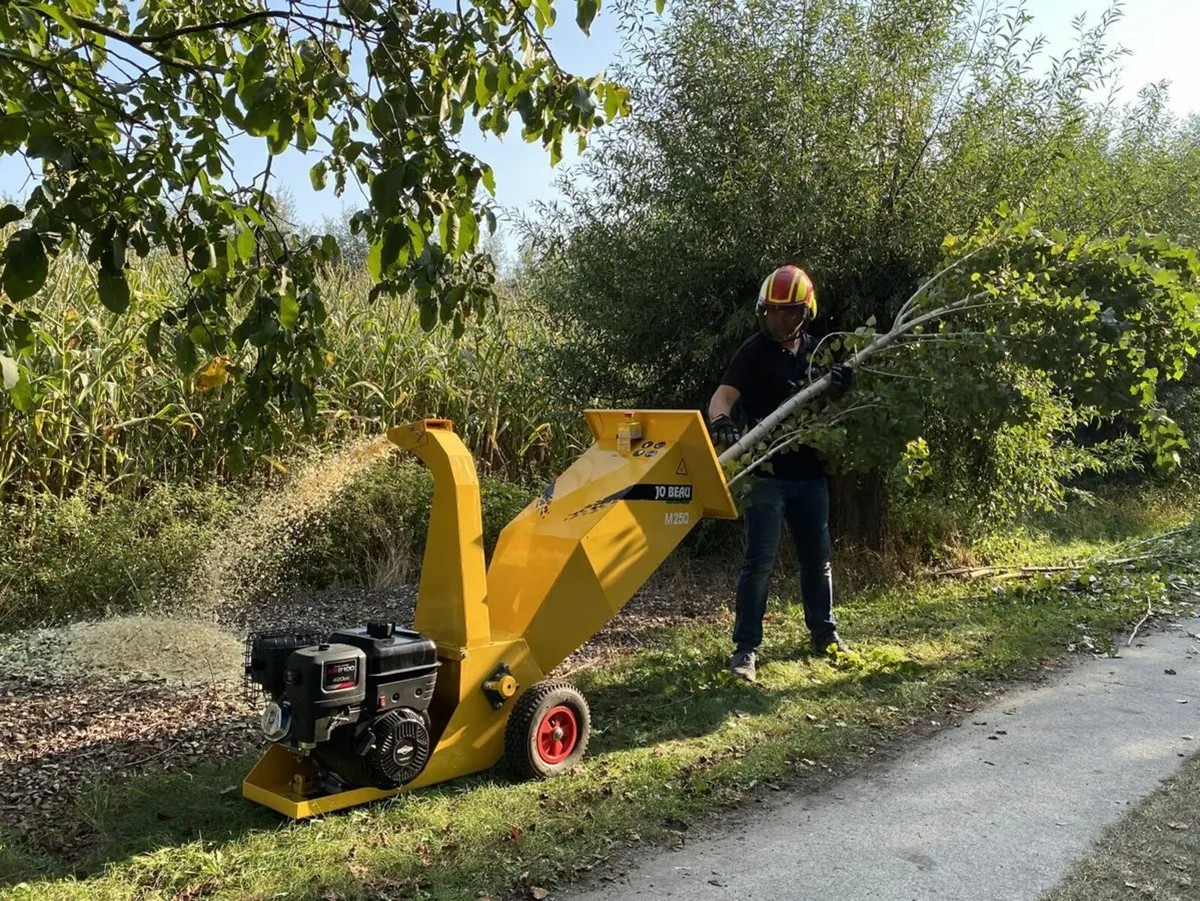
pixel 676 740
pixel 1153 853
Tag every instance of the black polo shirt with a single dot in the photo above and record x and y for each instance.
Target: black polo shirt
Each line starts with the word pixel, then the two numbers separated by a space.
pixel 766 374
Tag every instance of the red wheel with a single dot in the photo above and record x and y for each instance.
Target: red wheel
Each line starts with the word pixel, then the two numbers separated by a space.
pixel 547 731
pixel 557 734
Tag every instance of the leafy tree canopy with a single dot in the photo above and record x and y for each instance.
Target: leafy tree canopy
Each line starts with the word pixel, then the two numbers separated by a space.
pixel 129 110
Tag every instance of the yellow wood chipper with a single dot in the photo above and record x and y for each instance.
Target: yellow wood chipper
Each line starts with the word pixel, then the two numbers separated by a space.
pixel 366 712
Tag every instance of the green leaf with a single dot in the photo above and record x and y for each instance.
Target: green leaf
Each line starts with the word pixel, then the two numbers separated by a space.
pixel 10 213
pixel 185 353
pixel 395 239
pixel 255 64
pixel 341 136
pixel 375 260
pixel 612 100
pixel 13 131
pixel 308 134
pixel 489 180
pixel 8 372
pixel 60 16
pixel 317 175
pixel 114 291
pixel 448 230
pixel 260 114
pixel 585 13
pixel 417 235
pixel 23 339
pixel 660 5
pixel 581 97
pixel 289 311
pixel 245 244
pixel 22 393
pixel 230 108
pixel 26 266
pixel 279 136
pixel 543 14
pixel 484 91
pixel 468 228
pixel 386 190
pixel 201 337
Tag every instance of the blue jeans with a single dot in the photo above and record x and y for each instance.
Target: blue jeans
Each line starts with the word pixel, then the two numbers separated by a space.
pixel 804 506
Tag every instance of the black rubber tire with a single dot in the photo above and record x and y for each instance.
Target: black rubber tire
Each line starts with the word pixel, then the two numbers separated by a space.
pixel 521 751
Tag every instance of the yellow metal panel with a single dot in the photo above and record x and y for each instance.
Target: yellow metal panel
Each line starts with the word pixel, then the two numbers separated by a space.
pixel 575 606
pixel 575 556
pixel 473 738
pixel 272 783
pixel 686 434
pixel 452 599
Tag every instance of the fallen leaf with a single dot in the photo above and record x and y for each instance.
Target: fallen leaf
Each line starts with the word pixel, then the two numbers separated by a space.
pixel 537 893
pixel 1169 672
pixel 1179 827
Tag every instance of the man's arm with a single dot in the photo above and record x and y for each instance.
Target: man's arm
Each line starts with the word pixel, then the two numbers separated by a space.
pixel 725 432
pixel 722 402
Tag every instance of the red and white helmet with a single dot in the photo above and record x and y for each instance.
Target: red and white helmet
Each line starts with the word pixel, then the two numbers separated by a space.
pixel 787 288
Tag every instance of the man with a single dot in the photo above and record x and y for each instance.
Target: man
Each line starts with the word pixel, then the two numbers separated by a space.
pixel 766 370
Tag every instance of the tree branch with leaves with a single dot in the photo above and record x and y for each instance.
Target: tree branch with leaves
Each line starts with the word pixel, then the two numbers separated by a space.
pixel 132 117
pixel 1098 322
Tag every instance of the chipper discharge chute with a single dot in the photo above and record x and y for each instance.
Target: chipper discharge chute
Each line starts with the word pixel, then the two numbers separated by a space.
pixel 365 712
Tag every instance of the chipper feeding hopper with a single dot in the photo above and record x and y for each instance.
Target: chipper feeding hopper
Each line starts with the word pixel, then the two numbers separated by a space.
pixel 366 712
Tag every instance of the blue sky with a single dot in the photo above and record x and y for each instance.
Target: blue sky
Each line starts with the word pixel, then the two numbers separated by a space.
pixel 1160 35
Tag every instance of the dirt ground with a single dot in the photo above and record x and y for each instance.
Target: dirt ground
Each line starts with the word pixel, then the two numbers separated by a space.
pixel 110 700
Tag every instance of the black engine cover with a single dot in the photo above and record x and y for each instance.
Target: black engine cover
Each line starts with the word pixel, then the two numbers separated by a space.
pixel 386 752
pixel 401 748
pixel 357 701
pixel 325 686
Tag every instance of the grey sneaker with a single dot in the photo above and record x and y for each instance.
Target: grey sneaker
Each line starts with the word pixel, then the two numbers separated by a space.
pixel 829 644
pixel 741 664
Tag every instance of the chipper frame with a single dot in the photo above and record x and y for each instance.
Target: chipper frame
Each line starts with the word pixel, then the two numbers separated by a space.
pixel 562 569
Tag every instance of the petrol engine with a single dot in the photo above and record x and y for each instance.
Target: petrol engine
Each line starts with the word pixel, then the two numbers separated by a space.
pixel 356 702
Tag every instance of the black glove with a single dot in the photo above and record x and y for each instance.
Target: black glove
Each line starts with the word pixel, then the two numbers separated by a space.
pixel 724 431
pixel 841 380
